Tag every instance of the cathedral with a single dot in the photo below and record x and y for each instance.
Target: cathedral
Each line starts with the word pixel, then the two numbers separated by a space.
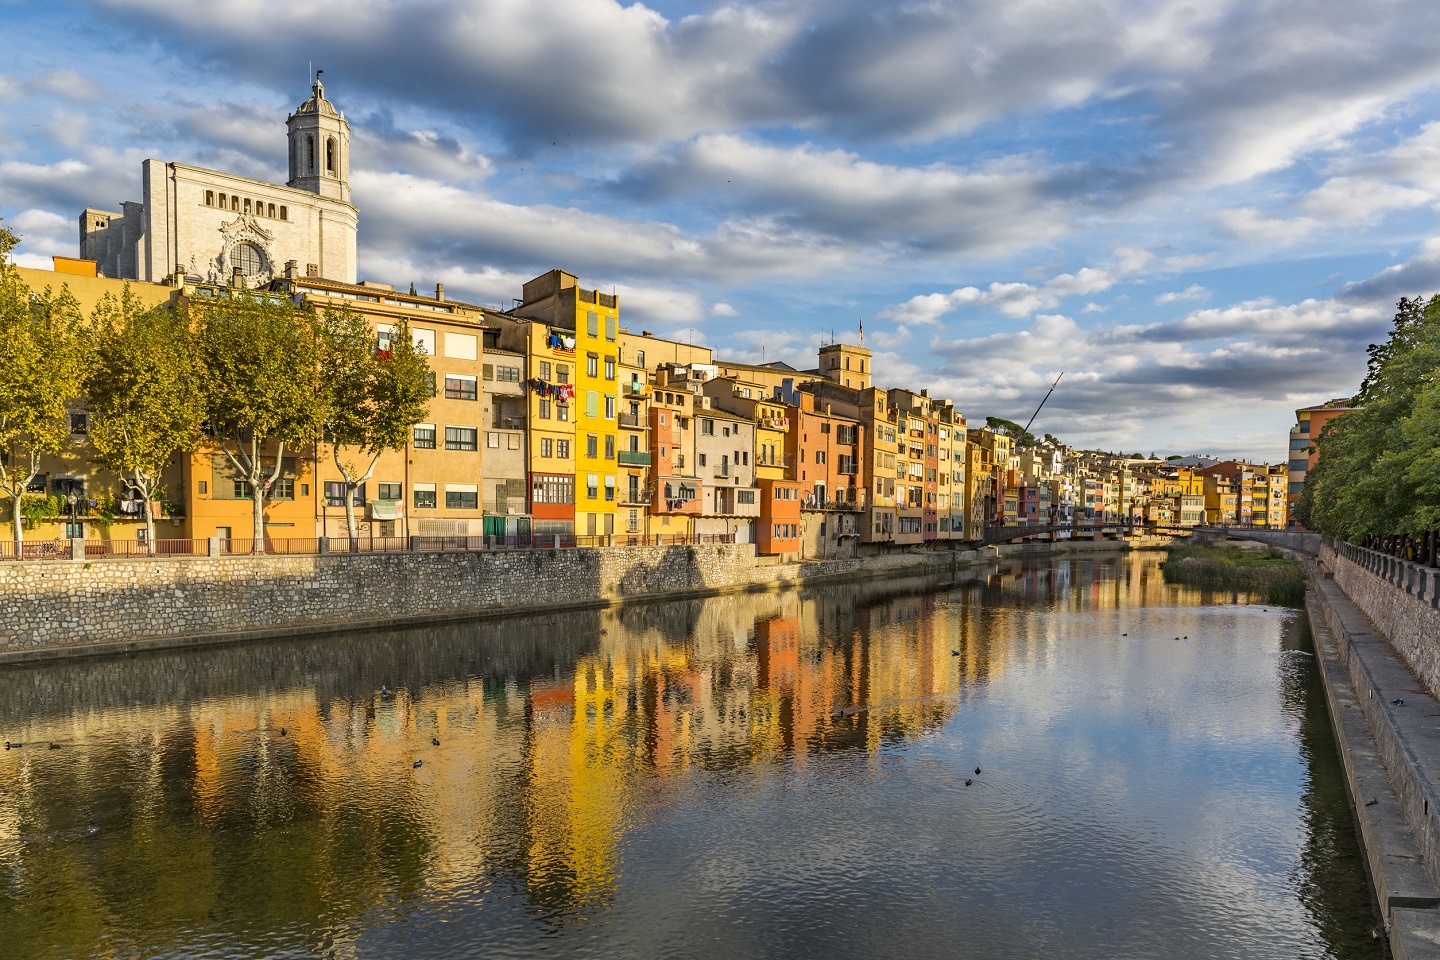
pixel 216 227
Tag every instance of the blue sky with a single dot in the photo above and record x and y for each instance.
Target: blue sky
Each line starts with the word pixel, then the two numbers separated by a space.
pixel 1201 212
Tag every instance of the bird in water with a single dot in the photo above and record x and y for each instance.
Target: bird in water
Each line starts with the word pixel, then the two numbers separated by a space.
pixel 968 781
pixel 435 741
pixel 13 746
pixel 977 771
pixel 954 653
pixel 418 764
pixel 54 746
pixel 283 731
pixel 1124 634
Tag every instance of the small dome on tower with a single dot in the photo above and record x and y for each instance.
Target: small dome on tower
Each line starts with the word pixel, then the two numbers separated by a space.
pixel 317 104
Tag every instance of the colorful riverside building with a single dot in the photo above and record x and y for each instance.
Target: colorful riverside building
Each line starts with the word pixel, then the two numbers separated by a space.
pixel 1305 443
pixel 586 324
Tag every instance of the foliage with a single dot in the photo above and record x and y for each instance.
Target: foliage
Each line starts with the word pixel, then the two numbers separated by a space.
pixel 36 508
pixel 146 403
pixel 1379 467
pixel 260 387
pixel 43 361
pixel 1264 573
pixel 371 398
pixel 1023 437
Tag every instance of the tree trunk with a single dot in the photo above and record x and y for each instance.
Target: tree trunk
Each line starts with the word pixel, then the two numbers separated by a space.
pixel 351 528
pixel 17 522
pixel 258 498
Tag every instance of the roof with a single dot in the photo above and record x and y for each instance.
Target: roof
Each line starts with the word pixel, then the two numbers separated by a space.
pixel 317 104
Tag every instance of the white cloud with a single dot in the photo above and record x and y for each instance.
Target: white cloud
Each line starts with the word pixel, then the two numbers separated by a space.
pixel 1010 299
pixel 1252 226
pixel 1192 292
pixel 723 310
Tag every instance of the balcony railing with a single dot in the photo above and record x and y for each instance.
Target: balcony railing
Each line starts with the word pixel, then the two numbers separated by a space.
pixel 634 458
pixel 632 420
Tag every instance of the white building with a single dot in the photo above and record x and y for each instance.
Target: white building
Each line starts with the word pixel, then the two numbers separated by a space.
pixel 207 224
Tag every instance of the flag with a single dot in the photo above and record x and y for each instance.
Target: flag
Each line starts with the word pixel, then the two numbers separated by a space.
pixel 862 331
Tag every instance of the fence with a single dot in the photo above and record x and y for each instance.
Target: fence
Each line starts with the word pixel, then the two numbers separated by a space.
pixel 317 546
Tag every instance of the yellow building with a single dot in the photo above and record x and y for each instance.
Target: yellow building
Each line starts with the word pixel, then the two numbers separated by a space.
pixel 592 320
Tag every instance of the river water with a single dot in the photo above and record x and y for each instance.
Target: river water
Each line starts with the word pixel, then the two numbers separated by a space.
pixel 780 775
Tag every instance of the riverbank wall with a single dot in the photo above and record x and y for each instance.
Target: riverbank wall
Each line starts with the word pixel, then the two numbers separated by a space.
pixel 52 609
pixel 1377 633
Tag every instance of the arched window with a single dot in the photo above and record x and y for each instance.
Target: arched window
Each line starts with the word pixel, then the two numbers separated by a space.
pixel 209 198
pixel 270 210
pixel 234 202
pixel 330 156
pixel 248 258
pixel 284 215
pixel 310 146
pixel 222 201
pixel 259 208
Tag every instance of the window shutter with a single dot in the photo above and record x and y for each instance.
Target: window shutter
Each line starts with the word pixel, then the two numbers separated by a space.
pixel 489 371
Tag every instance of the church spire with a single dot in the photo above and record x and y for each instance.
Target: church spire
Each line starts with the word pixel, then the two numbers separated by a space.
pixel 319 146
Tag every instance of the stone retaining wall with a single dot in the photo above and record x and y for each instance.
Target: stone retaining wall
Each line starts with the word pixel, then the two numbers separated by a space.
pixel 63 607
pixel 1401 598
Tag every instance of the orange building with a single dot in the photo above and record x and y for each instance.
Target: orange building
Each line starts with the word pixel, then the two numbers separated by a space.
pixel 778 530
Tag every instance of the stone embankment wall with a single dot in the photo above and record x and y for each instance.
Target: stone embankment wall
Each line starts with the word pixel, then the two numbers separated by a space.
pixel 1401 598
pixel 55 608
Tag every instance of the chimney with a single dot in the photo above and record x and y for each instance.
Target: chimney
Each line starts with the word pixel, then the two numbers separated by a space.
pixel 236 280
pixel 439 291
pixel 179 279
pixel 292 267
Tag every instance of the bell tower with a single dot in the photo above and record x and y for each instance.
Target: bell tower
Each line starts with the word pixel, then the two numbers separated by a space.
pixel 319 147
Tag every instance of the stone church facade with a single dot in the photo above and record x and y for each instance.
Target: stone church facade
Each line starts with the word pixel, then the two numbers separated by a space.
pixel 207 225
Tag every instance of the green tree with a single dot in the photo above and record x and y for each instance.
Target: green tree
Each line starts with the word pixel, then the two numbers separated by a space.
pixel 1023 437
pixel 259 354
pixel 146 402
pixel 1371 476
pixel 43 360
pixel 372 398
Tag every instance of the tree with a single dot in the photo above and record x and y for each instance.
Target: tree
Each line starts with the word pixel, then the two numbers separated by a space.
pixel 146 402
pixel 1023 437
pixel 372 398
pixel 1376 470
pixel 43 358
pixel 260 385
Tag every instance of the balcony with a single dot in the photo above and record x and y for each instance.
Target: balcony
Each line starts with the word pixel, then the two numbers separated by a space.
pixel 634 458
pixel 633 421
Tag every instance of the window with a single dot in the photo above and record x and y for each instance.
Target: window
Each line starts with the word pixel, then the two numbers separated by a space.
pixel 707 427
pixel 430 382
pixel 592 323
pixel 248 258
pixel 209 198
pixel 462 496
pixel 460 346
pixel 512 441
pixel 633 525
pixel 204 487
pixel 551 488
pixel 700 459
pixel 460 387
pixel 609 408
pixel 247 204
pixel 609 368
pixel 592 365
pixel 544 369
pixel 609 448
pixel 492 440
pixel 270 210
pixel 562 373
pixel 745 497
pixel 462 438
pixel 284 214
pixel 592 446
pixel 424 436
pixel 562 450
pixel 544 409
pixel 390 491
pixel 640 359
pixel 330 155
pixel 507 374
pixel 79 422
pixel 222 202
pixel 547 447
pixel 234 202
pixel 611 323
pixel 610 487
pixel 335 494
pixel 592 403
pixel 283 489
pixel 243 490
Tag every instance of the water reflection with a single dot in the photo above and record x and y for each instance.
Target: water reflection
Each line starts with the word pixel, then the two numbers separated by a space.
pixel 779 774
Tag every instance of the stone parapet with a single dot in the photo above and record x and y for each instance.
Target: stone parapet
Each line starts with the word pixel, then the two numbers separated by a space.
pixel 1401 598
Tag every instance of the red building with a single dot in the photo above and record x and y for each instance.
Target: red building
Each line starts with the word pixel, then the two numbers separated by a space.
pixel 778 530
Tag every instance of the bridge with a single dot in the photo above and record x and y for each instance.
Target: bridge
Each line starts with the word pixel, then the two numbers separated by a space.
pixel 1294 540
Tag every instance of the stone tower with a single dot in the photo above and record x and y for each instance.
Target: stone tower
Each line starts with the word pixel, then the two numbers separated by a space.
pixel 319 147
pixel 846 364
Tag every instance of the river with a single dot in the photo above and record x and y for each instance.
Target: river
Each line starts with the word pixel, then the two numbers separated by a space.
pixel 777 775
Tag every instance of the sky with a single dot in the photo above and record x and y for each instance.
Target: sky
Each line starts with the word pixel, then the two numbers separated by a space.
pixel 1200 211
